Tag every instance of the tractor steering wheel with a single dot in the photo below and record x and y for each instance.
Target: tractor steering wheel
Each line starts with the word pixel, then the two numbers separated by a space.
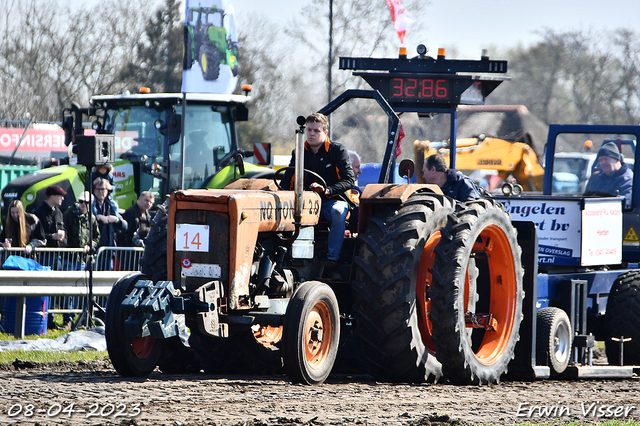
pixel 277 176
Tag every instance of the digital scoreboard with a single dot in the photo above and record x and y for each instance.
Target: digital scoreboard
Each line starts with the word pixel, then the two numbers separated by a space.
pixel 425 82
pixel 423 88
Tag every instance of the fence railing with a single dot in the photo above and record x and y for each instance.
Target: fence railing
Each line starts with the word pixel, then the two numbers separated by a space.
pixel 67 280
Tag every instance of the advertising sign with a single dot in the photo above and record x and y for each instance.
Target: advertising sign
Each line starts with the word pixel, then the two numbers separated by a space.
pixel 601 232
pixel 36 142
pixel 211 47
pixel 570 234
pixel 558 227
pixel 45 143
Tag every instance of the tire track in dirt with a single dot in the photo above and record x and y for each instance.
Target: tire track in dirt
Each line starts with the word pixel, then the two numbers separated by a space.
pixel 272 400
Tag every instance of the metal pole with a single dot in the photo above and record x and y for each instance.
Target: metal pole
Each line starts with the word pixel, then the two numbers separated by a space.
pixel 26 129
pixel 453 135
pixel 329 80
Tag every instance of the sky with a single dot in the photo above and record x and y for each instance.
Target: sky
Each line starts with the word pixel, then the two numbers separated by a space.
pixel 471 25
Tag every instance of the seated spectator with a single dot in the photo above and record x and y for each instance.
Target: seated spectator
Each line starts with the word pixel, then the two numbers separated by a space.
pixel 138 221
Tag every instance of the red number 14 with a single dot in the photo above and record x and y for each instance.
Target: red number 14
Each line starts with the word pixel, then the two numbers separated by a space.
pixel 195 241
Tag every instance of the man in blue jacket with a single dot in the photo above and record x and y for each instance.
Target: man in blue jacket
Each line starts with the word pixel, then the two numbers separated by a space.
pixel 614 177
pixel 109 220
pixel 452 183
pixel 331 161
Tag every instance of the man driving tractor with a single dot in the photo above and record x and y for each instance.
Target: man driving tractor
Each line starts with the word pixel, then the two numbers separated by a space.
pixel 330 160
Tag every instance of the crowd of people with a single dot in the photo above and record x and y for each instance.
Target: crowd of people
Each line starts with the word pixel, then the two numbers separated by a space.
pixel 48 226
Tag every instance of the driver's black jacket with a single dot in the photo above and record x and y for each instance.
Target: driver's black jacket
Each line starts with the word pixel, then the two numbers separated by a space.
pixel 331 162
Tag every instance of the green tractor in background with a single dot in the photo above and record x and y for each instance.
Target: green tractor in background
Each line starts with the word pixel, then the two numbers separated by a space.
pixel 208 41
pixel 163 142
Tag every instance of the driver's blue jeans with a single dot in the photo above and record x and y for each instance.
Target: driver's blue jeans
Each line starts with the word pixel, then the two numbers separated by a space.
pixel 335 211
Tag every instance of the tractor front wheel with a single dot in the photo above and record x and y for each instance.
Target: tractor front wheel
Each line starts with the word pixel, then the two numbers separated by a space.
pixel 130 357
pixel 311 333
pixel 209 62
pixel 477 346
pixel 554 336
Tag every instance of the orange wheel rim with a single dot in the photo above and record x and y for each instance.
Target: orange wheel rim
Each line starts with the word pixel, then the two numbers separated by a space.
pixel 143 347
pixel 267 335
pixel 318 333
pixel 493 242
pixel 423 286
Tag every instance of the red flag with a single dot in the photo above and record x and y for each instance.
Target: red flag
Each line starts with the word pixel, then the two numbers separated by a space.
pixel 400 17
pixel 399 144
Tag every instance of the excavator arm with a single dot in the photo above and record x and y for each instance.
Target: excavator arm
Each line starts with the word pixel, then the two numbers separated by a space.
pixel 509 158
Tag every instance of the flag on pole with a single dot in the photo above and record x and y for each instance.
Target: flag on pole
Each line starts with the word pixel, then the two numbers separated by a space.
pixel 400 17
pixel 399 144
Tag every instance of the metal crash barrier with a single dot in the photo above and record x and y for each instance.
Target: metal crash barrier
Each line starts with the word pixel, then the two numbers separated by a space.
pixel 66 284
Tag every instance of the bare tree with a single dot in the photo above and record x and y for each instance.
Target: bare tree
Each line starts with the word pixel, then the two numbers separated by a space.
pixel 573 77
pixel 361 28
pixel 50 57
pixel 276 86
pixel 157 62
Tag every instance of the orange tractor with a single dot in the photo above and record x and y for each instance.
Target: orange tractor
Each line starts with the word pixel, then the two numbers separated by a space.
pixel 428 288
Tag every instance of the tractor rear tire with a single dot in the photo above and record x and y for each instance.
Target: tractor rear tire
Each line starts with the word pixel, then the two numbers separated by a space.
pixel 478 229
pixel 622 319
pixel 154 259
pixel 311 333
pixel 187 61
pixel 392 289
pixel 554 337
pixel 209 62
pixel 137 358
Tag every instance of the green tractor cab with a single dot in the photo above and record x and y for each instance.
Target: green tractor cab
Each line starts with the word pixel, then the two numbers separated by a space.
pixel 163 142
pixel 208 41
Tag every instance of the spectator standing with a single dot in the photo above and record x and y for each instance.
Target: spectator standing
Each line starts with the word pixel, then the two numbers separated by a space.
pixel 76 221
pixel 138 221
pixel 52 224
pixel 22 229
pixel 109 220
pixel 104 171
pixel 52 228
pixel 50 216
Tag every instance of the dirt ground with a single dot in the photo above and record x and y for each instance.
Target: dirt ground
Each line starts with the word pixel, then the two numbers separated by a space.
pixel 94 394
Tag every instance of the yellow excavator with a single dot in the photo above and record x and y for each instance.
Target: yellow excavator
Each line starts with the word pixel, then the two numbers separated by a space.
pixel 508 158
